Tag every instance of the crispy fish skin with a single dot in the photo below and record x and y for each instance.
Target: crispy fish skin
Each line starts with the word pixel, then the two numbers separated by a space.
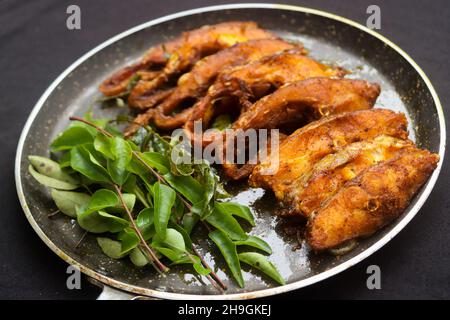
pixel 257 79
pixel 307 145
pixel 308 100
pixel 196 82
pixel 371 200
pixel 176 55
pixel 309 192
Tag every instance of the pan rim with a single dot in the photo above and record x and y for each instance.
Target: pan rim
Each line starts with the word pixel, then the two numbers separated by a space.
pixel 246 295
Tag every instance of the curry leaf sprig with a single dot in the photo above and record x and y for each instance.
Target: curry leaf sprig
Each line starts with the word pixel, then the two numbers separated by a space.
pixel 143 204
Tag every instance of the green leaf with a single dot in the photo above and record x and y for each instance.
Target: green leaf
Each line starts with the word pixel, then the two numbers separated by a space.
pixel 145 223
pixel 156 161
pixel 110 247
pixel 102 199
pixel 51 169
pixel 177 257
pixel 190 188
pixel 222 122
pixel 173 240
pixel 199 268
pixel 138 258
pixel 207 178
pixel 51 182
pixel 117 168
pixel 103 144
pixel 129 240
pixel 64 160
pixel 237 210
pixel 225 222
pixel 68 202
pixel 164 199
pixel 129 199
pixel 73 136
pixel 101 221
pixel 94 220
pixel 255 242
pixel 261 263
pixel 186 237
pixel 228 250
pixel 81 160
pixel 189 221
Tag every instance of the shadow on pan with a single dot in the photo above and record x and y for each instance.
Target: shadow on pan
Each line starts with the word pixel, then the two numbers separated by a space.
pixel 329 38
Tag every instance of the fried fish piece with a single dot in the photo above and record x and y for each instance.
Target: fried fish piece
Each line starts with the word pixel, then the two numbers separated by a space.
pixel 301 150
pixel 175 56
pixel 310 191
pixel 195 83
pixel 296 104
pixel 308 100
pixel 251 82
pixel 371 200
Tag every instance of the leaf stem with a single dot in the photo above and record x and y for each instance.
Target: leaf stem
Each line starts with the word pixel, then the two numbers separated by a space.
pixel 205 264
pixel 149 250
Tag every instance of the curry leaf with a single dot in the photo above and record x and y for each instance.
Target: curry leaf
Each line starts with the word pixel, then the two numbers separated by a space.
pixel 102 144
pixel 199 268
pixel 237 210
pixel 164 198
pixel 50 169
pixel 190 188
pixel 68 202
pixel 255 242
pixel 110 247
pixel 222 122
pixel 261 263
pixel 173 240
pixel 81 160
pixel 145 224
pixel 93 219
pixel 73 136
pixel 117 168
pixel 138 258
pixel 156 161
pixel 129 240
pixel 228 250
pixel 225 222
pixel 51 182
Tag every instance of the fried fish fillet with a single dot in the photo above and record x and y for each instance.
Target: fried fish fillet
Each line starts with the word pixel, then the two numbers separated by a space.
pixel 371 200
pixel 301 102
pixel 250 82
pixel 175 56
pixel 301 150
pixel 328 175
pixel 195 83
pixel 308 100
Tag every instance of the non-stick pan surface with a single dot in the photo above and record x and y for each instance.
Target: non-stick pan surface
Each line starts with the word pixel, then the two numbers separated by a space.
pixel 329 38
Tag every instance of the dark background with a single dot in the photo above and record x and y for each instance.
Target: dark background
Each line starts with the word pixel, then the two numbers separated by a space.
pixel 36 46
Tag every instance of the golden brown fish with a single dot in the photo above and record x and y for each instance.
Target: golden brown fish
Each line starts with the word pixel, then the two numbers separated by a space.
pixel 175 56
pixel 194 84
pixel 371 200
pixel 250 82
pixel 308 193
pixel 296 104
pixel 301 150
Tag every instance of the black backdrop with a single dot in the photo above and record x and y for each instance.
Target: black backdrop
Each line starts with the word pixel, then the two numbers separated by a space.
pixel 35 46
